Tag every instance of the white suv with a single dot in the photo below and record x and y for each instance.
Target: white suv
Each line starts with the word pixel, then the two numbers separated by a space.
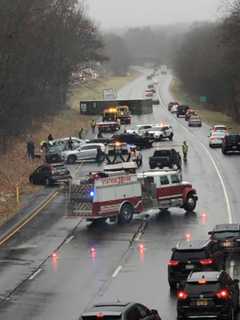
pixel 88 151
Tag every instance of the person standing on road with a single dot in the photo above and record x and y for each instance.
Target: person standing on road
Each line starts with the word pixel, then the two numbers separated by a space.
pixel 70 143
pixel 30 149
pixel 185 150
pixel 93 125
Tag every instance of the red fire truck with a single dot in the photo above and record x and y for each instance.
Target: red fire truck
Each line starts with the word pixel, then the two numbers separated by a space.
pixel 121 195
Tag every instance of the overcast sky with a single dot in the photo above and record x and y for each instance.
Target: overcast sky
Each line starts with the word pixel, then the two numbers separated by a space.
pixel 128 13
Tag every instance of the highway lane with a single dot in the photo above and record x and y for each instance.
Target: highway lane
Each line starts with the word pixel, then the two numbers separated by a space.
pixel 113 270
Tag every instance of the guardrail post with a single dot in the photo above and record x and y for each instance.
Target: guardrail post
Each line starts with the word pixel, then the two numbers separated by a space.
pixel 17 194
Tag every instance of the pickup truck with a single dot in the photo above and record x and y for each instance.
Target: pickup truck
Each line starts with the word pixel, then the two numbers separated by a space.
pixel 165 158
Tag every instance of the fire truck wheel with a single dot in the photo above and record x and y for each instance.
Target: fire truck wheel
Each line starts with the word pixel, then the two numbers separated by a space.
pixel 71 159
pixel 190 203
pixel 126 213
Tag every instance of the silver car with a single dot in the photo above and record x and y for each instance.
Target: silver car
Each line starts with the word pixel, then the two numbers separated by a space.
pixel 194 121
pixel 88 151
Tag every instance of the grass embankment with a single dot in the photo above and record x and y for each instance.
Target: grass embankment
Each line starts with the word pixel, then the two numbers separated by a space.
pixel 205 110
pixel 15 168
pixel 94 89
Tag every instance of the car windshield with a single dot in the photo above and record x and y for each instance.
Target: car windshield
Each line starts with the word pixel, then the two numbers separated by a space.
pixel 161 153
pixel 225 235
pixel 189 255
pixel 196 288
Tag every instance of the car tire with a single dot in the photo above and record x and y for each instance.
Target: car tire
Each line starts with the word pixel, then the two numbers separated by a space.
pixel 190 203
pixel 171 137
pixel 152 166
pixel 177 115
pixel 71 159
pixel 125 214
pixel 224 151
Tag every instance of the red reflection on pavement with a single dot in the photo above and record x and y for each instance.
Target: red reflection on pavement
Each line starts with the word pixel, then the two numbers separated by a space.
pixel 54 261
pixel 141 250
pixel 203 218
pixel 93 253
pixel 188 236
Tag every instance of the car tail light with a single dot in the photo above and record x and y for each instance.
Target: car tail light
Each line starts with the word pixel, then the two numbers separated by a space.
pixel 182 295
pixel 206 262
pixel 223 294
pixel 173 263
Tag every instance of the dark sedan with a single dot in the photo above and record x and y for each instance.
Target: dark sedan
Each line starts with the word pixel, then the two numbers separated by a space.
pixel 50 174
pixel 133 138
pixel 120 311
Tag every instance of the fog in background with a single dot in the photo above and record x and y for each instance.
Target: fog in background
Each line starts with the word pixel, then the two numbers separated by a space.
pixel 131 13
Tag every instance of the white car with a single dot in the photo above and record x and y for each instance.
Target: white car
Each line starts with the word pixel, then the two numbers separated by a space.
pixel 218 127
pixel 88 151
pixel 63 141
pixel 141 129
pixel 194 121
pixel 216 139
pixel 161 132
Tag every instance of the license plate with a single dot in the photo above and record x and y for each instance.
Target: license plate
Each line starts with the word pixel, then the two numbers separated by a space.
pixel 189 266
pixel 234 147
pixel 202 303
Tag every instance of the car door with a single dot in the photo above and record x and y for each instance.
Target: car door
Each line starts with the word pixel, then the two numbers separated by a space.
pixel 43 174
pixel 88 152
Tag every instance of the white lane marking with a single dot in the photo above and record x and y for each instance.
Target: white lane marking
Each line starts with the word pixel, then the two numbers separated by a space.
pixel 231 268
pixel 69 239
pixel 115 273
pixel 229 211
pixel 138 236
pixel 35 274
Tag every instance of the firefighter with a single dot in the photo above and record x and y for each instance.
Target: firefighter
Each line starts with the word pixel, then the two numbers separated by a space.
pixel 135 155
pixel 185 150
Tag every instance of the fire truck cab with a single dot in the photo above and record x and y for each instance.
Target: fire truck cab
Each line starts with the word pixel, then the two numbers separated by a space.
pixel 165 189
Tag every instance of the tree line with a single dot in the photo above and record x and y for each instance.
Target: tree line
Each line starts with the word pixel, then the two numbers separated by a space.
pixel 207 61
pixel 42 42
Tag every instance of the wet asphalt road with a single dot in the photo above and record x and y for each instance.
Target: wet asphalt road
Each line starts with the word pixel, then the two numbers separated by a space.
pixel 104 263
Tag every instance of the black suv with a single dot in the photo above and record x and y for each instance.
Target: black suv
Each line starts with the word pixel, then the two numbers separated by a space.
pixel 193 255
pixel 165 158
pixel 182 110
pixel 208 294
pixel 227 236
pixel 120 311
pixel 231 143
pixel 134 138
